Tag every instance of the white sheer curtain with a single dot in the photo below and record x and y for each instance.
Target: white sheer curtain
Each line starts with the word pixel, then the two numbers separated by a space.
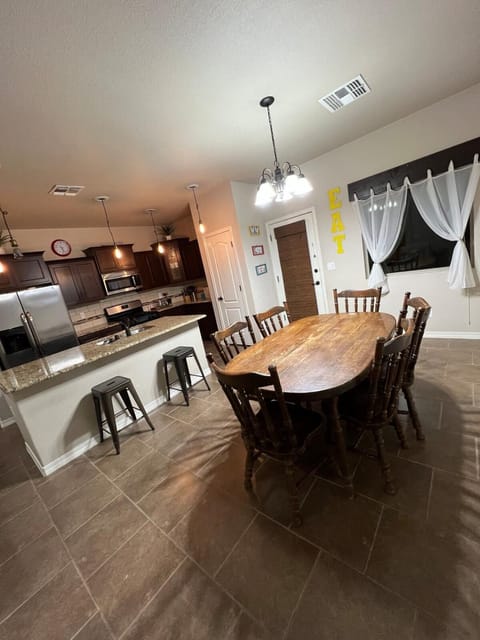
pixel 381 218
pixel 445 202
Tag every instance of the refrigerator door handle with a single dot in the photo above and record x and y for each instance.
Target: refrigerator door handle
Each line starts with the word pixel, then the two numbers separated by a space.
pixel 28 331
pixel 33 331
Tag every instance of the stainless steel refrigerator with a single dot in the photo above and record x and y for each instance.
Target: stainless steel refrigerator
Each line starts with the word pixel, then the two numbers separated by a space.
pixel 33 323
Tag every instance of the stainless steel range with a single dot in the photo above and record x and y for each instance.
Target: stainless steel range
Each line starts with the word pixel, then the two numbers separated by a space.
pixel 129 314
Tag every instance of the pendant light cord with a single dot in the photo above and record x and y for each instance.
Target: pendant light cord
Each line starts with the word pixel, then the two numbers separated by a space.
pixel 196 205
pixel 154 227
pixel 108 222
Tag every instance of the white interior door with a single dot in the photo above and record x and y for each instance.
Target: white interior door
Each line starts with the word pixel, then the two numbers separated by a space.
pixel 229 291
pixel 315 259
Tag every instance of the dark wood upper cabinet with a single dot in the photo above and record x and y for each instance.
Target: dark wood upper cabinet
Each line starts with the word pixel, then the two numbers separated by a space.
pixel 108 263
pixel 182 260
pixel 173 259
pixel 192 261
pixel 29 271
pixel 78 279
pixel 151 268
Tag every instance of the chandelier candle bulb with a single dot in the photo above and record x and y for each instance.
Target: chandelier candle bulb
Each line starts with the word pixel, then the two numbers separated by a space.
pixel 283 181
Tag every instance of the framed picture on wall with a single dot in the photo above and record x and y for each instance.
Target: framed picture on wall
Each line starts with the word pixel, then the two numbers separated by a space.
pixel 254 230
pixel 257 250
pixel 261 269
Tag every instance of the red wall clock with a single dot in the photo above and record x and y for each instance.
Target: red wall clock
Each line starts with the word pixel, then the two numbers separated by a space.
pixel 61 247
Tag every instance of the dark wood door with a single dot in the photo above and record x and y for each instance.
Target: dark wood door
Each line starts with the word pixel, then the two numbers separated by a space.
pixel 88 281
pixel 173 259
pixel 63 276
pixel 298 280
pixel 108 263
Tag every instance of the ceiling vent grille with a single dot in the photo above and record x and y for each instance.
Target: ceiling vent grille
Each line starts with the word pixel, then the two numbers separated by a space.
pixel 65 190
pixel 345 94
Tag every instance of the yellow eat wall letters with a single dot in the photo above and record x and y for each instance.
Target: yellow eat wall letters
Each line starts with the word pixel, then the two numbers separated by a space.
pixel 337 224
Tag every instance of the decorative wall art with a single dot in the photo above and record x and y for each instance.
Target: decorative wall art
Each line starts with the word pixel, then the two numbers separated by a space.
pixel 254 230
pixel 261 269
pixel 336 218
pixel 257 250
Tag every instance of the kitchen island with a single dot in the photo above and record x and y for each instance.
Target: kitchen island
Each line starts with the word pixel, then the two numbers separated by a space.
pixel 50 397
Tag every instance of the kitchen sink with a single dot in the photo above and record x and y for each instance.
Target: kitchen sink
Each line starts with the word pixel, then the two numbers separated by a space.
pixel 107 340
pixel 141 328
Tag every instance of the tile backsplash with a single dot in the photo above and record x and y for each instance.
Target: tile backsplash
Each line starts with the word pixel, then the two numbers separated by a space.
pixel 90 317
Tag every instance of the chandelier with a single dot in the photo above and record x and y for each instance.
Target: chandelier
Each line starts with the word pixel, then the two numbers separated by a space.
pixel 283 181
pixel 117 252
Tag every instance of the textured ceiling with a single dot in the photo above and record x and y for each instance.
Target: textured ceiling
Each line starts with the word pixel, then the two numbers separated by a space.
pixel 136 99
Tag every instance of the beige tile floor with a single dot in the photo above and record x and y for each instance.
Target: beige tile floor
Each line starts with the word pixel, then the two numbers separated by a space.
pixel 162 542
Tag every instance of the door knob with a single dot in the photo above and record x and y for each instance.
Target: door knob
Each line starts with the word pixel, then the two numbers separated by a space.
pixel 220 298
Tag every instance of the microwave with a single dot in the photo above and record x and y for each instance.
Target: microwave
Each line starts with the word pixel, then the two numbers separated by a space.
pixel 121 282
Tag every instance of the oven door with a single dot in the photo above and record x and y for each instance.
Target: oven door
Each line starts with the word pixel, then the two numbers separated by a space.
pixel 121 282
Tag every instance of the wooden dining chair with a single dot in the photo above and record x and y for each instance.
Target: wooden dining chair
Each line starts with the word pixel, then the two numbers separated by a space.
pixel 270 425
pixel 373 405
pixel 273 319
pixel 232 340
pixel 357 300
pixel 420 313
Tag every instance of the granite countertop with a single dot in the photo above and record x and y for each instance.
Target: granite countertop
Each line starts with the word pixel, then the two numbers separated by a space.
pixel 31 373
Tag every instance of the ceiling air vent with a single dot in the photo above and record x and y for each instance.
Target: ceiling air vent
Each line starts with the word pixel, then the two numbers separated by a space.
pixel 65 190
pixel 345 94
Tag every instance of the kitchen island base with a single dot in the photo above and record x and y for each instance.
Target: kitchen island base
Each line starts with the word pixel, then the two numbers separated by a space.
pixel 56 414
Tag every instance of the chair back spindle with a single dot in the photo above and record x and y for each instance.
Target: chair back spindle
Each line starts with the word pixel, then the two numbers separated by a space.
pixel 357 300
pixel 272 320
pixel 234 339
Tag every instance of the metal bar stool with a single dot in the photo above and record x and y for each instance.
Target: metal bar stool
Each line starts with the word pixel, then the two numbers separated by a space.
pixel 102 397
pixel 179 357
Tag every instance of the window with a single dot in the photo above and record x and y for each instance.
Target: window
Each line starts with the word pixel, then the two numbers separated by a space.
pixel 418 246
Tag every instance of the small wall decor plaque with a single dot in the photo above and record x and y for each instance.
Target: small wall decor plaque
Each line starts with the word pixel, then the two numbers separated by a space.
pixel 257 250
pixel 261 269
pixel 254 230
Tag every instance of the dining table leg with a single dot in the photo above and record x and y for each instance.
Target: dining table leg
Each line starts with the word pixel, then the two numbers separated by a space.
pixel 336 427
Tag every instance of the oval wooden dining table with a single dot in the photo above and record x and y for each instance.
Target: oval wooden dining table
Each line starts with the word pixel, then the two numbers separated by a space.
pixel 319 358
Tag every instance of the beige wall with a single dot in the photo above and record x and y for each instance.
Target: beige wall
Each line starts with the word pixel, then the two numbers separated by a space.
pixel 444 124
pixel 141 237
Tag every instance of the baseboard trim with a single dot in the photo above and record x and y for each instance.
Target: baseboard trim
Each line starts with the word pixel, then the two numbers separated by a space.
pixel 8 422
pixel 123 421
pixel 453 335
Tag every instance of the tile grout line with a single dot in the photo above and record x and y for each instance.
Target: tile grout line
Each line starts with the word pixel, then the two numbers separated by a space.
pixel 414 623
pixel 374 539
pixel 79 573
pixel 91 517
pixel 82 484
pixel 77 633
pixel 300 595
pixel 170 576
pixel 477 458
pixel 191 558
pixel 240 537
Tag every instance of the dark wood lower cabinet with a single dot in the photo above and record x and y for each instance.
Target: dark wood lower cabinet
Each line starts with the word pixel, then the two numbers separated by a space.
pixel 207 325
pixel 78 279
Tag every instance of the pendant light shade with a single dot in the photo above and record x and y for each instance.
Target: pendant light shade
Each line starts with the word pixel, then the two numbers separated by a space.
pixel 283 181
pixel 117 252
pixel 201 226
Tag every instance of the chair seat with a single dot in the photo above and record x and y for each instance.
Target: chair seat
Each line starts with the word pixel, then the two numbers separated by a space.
pixel 354 403
pixel 305 422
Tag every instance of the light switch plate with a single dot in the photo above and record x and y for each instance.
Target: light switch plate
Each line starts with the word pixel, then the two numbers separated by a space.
pixel 331 266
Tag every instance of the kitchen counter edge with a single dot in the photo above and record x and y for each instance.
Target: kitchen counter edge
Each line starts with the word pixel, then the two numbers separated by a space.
pixel 32 373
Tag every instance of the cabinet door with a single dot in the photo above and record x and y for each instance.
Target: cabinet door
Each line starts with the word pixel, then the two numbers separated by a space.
pixel 29 271
pixel 108 263
pixel 192 261
pixel 173 260
pixel 62 274
pixel 151 267
pixel 206 325
pixel 88 281
pixel 78 280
